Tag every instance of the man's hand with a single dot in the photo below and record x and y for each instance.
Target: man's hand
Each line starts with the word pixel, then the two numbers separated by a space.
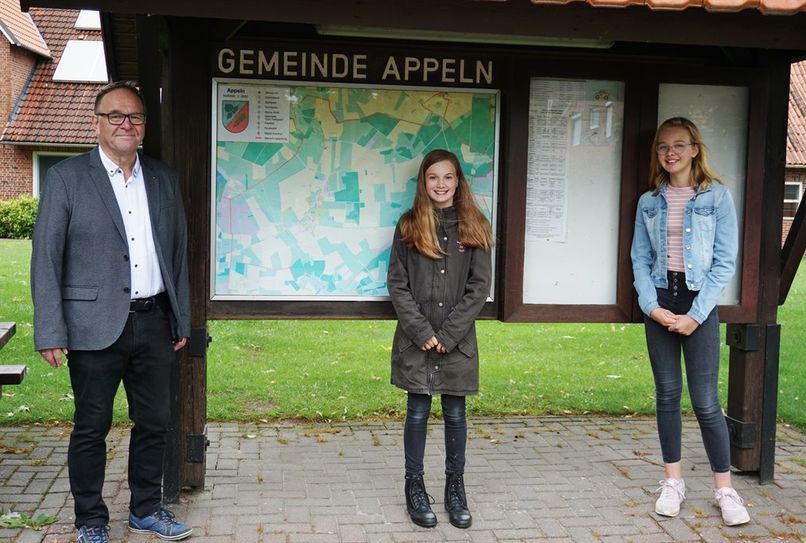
pixel 179 345
pixel 53 356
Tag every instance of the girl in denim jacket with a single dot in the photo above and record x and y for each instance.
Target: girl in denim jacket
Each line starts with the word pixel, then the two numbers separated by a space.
pixel 683 255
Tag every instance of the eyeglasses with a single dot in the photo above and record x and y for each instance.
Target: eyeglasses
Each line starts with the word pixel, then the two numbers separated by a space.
pixel 118 118
pixel 662 148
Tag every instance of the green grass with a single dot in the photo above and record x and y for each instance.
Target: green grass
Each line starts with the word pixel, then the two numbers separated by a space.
pixel 339 370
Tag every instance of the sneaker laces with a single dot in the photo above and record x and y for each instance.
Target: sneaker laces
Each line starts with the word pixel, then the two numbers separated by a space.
pixel 165 516
pixel 455 497
pixel 94 534
pixel 668 489
pixel 728 495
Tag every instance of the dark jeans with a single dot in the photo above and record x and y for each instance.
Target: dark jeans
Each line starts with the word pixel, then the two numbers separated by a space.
pixel 141 357
pixel 414 433
pixel 701 354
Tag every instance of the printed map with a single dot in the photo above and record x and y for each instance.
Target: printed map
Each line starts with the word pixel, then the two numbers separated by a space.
pixel 310 181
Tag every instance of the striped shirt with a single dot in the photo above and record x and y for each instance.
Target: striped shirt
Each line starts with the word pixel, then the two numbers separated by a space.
pixel 676 198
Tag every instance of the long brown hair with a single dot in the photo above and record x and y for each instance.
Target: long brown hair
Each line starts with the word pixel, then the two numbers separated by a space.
pixel 418 227
pixel 701 172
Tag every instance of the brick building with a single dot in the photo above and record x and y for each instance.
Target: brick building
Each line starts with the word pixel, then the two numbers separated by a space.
pixel 795 145
pixel 55 65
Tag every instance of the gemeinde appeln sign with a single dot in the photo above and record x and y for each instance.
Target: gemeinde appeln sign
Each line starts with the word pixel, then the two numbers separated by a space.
pixel 352 66
pixel 315 156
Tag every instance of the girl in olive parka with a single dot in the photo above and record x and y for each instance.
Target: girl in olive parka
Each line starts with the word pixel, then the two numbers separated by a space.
pixel 439 279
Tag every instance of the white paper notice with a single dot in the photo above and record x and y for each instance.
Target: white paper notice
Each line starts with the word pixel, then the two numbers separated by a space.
pixel 253 113
pixel 552 127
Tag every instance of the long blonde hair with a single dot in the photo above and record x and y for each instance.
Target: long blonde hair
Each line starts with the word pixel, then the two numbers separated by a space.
pixel 701 172
pixel 418 227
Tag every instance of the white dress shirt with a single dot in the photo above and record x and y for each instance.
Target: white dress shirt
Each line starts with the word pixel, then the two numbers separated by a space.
pixel 146 278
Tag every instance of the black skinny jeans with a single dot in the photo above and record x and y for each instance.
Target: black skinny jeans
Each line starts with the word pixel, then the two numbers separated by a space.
pixel 701 354
pixel 418 410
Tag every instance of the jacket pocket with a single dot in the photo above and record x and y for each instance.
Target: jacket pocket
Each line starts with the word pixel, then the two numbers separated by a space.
pixel 467 347
pixel 403 342
pixel 704 218
pixel 650 212
pixel 80 293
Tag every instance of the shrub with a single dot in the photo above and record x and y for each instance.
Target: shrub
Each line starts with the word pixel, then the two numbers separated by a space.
pixel 17 217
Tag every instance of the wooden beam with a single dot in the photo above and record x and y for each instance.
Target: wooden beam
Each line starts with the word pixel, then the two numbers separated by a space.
pixel 748 28
pixel 753 368
pixel 12 375
pixel 793 251
pixel 185 142
pixel 149 74
pixel 7 331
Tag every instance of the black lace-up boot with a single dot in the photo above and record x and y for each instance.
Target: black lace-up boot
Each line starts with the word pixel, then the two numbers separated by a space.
pixel 456 500
pixel 418 502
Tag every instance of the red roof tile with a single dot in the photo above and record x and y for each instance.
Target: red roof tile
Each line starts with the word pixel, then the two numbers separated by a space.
pixel 55 112
pixel 768 7
pixel 796 132
pixel 19 29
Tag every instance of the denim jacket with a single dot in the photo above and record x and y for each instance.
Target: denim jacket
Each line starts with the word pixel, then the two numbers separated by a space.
pixel 710 245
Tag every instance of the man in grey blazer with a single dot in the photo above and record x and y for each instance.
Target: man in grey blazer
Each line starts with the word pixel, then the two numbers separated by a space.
pixel 110 290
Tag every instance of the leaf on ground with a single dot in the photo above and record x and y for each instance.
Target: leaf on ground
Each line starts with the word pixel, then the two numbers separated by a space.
pixel 13 519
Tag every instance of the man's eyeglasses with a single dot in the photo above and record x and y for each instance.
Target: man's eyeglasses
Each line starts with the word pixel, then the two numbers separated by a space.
pixel 118 118
pixel 662 148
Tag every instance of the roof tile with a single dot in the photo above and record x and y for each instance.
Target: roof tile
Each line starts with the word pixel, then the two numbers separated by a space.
pixel 55 112
pixel 19 28
pixel 768 7
pixel 796 131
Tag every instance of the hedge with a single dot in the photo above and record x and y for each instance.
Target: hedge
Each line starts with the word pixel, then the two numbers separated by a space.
pixel 17 217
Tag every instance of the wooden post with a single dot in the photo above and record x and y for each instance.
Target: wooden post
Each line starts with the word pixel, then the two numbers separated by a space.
pixel 150 79
pixel 186 107
pixel 752 386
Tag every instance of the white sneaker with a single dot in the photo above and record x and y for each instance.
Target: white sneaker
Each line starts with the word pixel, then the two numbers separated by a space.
pixel 733 510
pixel 672 494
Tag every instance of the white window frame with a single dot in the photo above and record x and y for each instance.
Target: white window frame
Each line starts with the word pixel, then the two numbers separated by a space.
pixel 792 200
pixel 800 192
pixel 35 163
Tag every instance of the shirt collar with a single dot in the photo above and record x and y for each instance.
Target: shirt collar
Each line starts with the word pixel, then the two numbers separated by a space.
pixel 113 169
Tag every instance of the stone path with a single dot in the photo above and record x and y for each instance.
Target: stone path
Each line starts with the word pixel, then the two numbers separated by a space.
pixel 558 479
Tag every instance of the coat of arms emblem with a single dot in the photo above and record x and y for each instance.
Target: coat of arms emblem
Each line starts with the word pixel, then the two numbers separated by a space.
pixel 235 115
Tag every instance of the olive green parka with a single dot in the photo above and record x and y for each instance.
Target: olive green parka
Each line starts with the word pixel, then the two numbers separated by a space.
pixel 438 297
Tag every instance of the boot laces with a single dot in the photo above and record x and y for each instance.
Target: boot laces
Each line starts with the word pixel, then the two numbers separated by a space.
pixel 455 495
pixel 419 497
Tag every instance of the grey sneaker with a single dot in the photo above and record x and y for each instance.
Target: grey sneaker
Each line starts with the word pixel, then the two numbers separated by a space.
pixel 161 524
pixel 93 534
pixel 672 494
pixel 733 510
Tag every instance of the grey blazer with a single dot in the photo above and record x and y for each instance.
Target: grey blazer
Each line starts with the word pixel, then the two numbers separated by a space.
pixel 80 276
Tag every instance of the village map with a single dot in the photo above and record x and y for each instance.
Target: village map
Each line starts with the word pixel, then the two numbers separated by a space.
pixel 309 181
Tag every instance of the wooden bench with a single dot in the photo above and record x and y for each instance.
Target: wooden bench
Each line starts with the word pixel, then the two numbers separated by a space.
pixel 9 374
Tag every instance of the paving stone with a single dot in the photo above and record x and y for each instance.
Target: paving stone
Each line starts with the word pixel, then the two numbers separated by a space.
pixel 558 479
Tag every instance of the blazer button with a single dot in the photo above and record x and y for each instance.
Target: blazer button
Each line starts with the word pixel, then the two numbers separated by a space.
pixel 126 290
pixel 126 258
